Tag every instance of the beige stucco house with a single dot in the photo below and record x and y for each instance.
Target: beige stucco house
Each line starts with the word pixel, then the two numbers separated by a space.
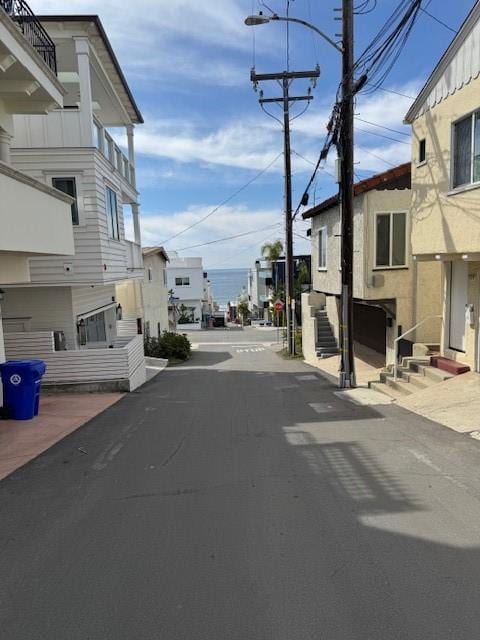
pixel 445 121
pixel 385 276
pixel 147 300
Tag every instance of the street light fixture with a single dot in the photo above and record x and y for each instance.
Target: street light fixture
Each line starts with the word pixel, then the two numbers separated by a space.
pixel 347 371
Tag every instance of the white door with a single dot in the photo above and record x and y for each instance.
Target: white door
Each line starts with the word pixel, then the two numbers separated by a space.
pixel 458 301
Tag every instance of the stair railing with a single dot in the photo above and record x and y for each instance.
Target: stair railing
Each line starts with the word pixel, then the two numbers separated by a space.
pixel 397 340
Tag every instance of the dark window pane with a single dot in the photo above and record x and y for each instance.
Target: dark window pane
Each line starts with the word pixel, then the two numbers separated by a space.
pixel 399 239
pixel 462 152
pixel 422 150
pixel 68 186
pixel 112 213
pixel 476 149
pixel 383 240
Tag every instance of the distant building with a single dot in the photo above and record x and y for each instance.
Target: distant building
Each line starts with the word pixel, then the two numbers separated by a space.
pixel 185 278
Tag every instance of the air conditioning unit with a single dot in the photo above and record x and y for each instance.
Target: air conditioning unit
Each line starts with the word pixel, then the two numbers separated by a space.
pixel 59 341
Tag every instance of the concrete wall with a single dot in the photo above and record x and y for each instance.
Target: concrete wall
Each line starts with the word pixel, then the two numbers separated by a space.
pixel 311 303
pixel 155 293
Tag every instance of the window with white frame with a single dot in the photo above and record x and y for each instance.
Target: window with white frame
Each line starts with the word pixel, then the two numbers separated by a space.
pixel 150 275
pixel 322 248
pixel 391 239
pixel 112 213
pixel 182 282
pixel 466 150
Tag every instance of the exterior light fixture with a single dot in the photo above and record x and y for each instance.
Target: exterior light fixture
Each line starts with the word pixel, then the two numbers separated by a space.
pixel 465 256
pixel 254 20
pixel 438 256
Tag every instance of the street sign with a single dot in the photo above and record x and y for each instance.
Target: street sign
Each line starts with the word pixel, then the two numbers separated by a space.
pixel 278 305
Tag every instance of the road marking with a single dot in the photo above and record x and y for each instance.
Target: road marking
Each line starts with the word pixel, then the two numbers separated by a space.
pixel 321 407
pixel 421 457
pixel 309 376
pixel 250 350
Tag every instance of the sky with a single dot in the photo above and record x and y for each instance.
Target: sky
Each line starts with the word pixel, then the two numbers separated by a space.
pixel 206 140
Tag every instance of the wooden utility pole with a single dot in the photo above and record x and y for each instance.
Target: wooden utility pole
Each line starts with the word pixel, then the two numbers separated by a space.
pixel 346 148
pixel 285 79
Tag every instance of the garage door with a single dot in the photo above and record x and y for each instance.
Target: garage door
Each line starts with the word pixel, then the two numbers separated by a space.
pixel 369 327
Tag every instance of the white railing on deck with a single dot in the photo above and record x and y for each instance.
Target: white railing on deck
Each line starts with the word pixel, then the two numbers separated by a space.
pixel 113 153
pixel 126 361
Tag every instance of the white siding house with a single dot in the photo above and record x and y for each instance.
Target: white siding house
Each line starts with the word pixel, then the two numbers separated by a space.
pixel 185 277
pixel 72 151
pixel 29 209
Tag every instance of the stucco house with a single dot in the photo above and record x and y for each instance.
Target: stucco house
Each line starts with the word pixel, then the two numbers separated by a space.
pixel 146 301
pixel 384 275
pixel 29 208
pixel 68 313
pixel 445 120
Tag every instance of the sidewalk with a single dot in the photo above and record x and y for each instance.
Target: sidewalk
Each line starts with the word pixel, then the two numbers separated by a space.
pixel 60 414
pixel 455 403
pixel 368 365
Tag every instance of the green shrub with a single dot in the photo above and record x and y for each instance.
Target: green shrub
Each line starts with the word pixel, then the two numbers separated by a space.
pixel 169 345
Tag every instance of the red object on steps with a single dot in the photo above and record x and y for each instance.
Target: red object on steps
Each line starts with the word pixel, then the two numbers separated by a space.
pixel 445 364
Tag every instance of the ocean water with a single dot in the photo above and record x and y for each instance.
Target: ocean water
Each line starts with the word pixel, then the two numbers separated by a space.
pixel 227 284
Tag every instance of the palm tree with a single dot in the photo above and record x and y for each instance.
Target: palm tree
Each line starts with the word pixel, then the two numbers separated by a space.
pixel 272 251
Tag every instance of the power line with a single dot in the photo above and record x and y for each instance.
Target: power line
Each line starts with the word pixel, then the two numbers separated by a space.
pixel 370 153
pixel 219 206
pixel 381 135
pixel 238 235
pixel 396 93
pixel 430 15
pixel 381 126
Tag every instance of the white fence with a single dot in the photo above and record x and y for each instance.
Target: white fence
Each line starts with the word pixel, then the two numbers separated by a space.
pixel 125 362
pixel 127 328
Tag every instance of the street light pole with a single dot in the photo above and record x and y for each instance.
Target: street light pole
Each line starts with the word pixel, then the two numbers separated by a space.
pixel 347 369
pixel 346 148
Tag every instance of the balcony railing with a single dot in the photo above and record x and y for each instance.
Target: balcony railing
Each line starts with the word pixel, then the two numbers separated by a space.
pixel 105 143
pixel 32 30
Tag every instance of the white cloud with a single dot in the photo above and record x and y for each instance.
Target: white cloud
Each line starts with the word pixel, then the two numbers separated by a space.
pixel 228 221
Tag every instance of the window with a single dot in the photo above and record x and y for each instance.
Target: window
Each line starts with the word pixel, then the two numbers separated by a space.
pixel 466 150
pixel 390 239
pixel 159 330
pixel 164 276
pixel 150 277
pixel 68 186
pixel 112 213
pixel 147 328
pixel 422 148
pixel 322 248
pixel 182 282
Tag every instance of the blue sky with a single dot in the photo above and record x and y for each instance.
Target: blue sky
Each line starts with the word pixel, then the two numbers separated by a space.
pixel 188 64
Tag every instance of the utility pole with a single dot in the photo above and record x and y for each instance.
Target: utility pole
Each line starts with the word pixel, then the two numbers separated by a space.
pixel 347 369
pixel 285 79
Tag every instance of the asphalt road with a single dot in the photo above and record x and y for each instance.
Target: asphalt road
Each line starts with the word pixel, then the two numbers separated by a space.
pixel 237 497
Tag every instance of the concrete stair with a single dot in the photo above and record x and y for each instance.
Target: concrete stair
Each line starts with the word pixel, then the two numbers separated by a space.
pixel 413 374
pixel 326 344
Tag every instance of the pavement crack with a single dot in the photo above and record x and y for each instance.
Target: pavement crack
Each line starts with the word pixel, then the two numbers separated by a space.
pixel 174 452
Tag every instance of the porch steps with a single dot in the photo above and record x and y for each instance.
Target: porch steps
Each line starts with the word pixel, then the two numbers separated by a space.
pixel 326 344
pixel 414 374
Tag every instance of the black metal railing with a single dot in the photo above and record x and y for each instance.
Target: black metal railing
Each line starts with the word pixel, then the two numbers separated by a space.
pixel 32 30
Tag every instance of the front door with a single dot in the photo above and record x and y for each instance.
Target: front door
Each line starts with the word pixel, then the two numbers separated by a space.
pixel 458 302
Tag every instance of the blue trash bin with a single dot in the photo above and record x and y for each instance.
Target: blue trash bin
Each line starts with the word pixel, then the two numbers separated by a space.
pixel 21 381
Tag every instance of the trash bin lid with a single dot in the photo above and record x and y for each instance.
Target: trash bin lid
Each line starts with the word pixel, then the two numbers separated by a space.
pixel 29 369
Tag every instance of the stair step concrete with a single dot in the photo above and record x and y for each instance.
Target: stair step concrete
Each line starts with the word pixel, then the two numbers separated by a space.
pixel 431 372
pixel 385 389
pixel 399 385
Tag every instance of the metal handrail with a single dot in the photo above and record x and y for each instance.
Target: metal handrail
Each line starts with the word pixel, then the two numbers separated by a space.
pixel 32 30
pixel 396 341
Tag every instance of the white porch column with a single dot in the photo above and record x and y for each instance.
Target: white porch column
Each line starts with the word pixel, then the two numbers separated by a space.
pixel 136 223
pixel 131 144
pixel 82 49
pixel 5 141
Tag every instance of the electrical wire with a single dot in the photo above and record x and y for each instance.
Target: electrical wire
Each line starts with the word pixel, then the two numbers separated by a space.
pixel 381 126
pixel 238 235
pixel 430 15
pixel 381 135
pixel 224 202
pixel 374 155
